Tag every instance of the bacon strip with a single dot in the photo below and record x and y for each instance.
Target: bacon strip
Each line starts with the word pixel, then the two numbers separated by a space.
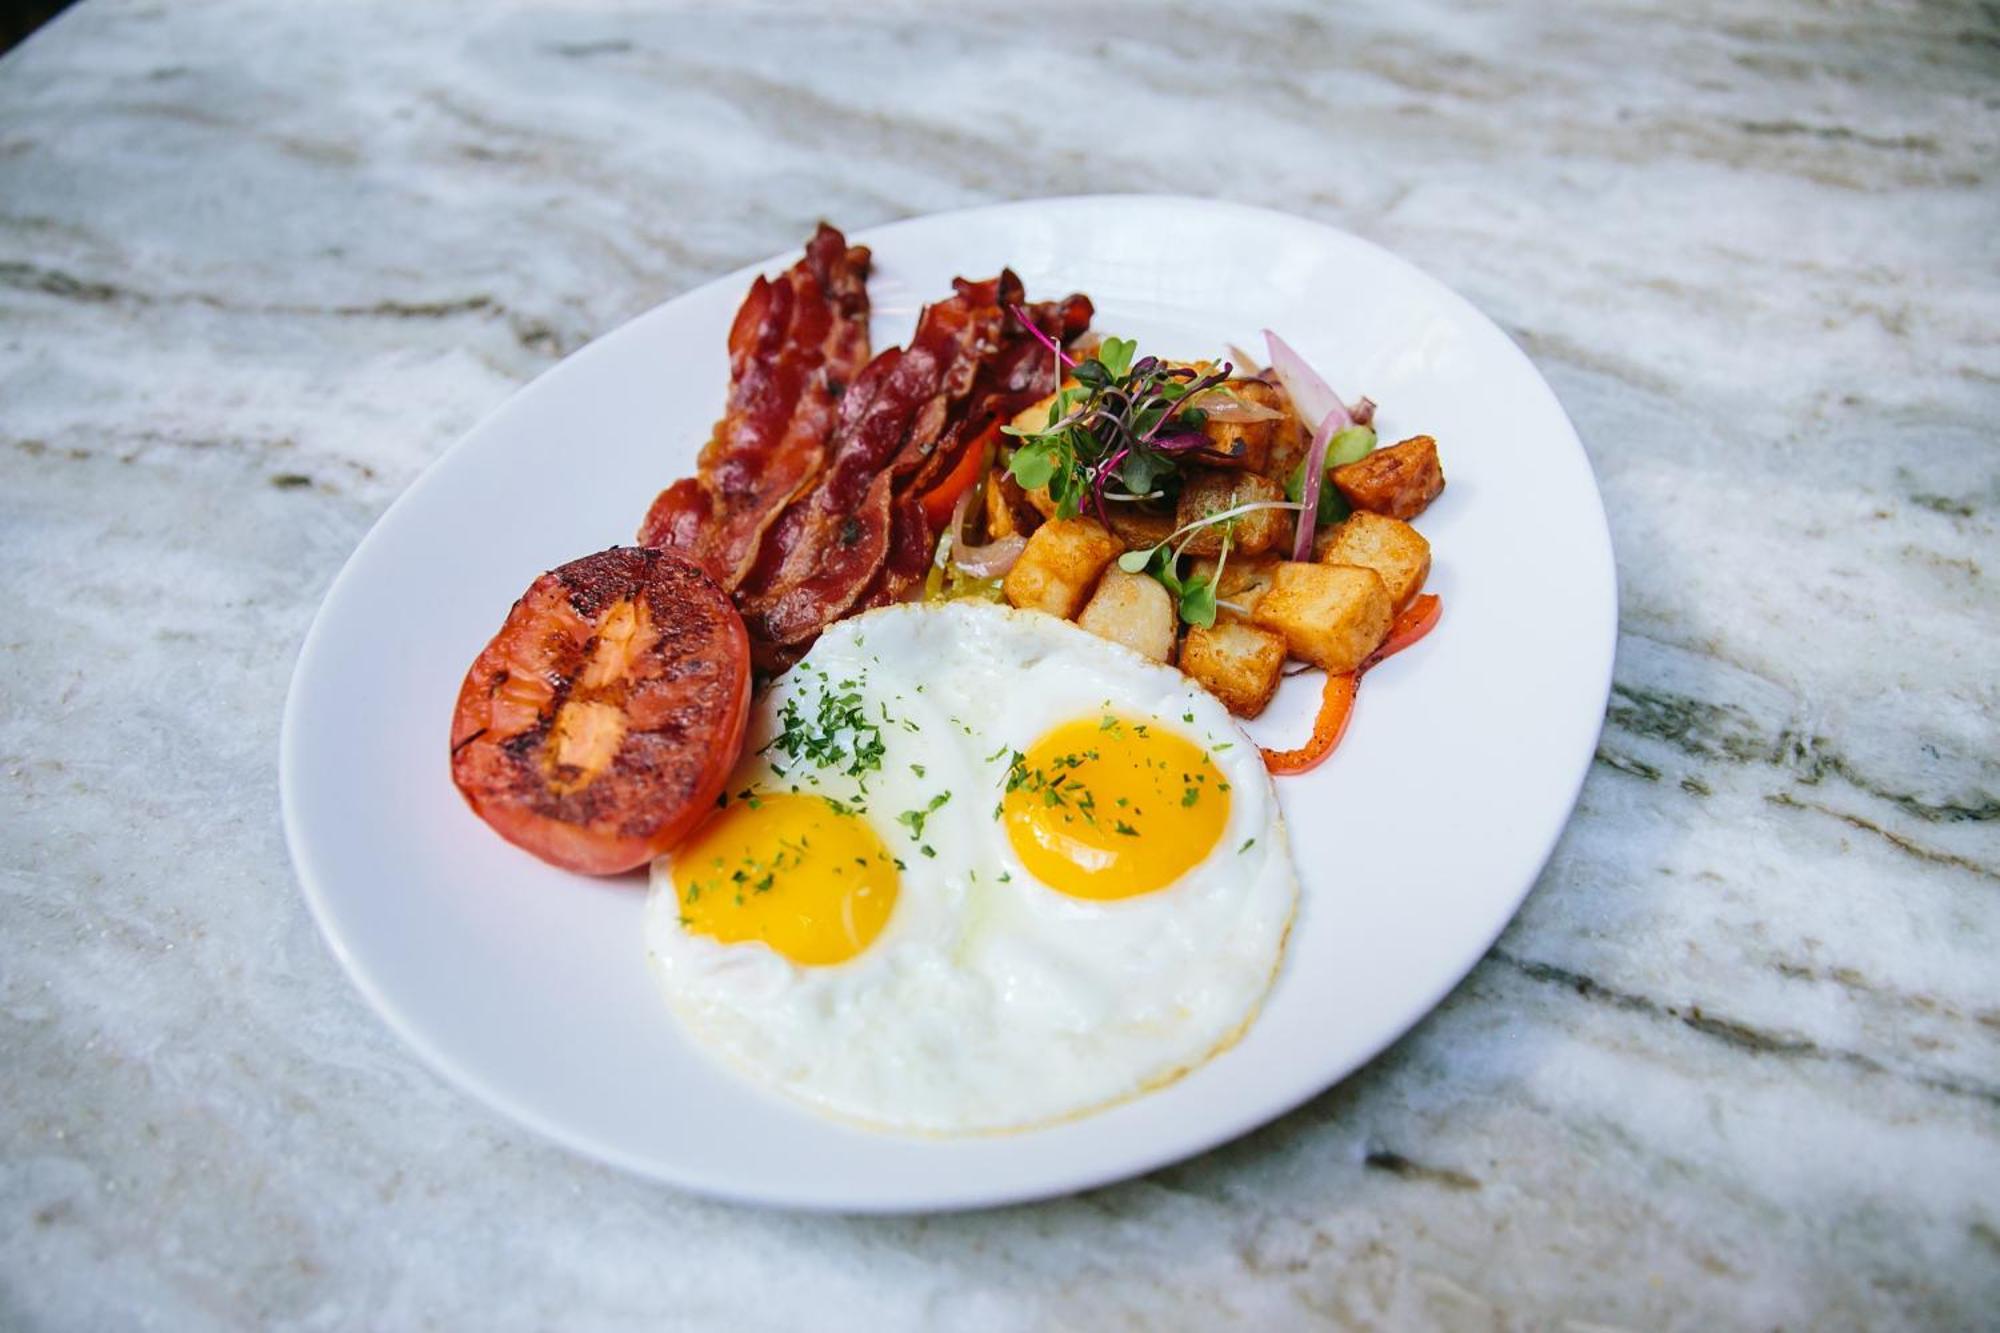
pixel 827 550
pixel 1021 373
pixel 796 344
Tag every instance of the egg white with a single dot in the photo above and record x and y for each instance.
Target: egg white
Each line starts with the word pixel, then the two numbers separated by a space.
pixel 990 1001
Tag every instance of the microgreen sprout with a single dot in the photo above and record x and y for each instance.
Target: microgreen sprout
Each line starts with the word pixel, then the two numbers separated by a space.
pixel 1124 419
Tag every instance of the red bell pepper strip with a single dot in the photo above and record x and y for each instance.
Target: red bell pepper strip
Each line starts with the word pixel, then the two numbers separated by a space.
pixel 939 501
pixel 1336 704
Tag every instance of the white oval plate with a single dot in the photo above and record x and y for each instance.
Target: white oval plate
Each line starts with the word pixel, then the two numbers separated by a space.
pixel 528 986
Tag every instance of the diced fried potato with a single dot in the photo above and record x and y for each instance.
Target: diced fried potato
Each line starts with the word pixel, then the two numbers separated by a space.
pixel 1245 444
pixel 1389 546
pixel 1134 610
pixel 1290 439
pixel 1008 512
pixel 1040 501
pixel 1331 615
pixel 1060 565
pixel 1237 662
pixel 1399 481
pixel 1244 580
pixel 1035 416
pixel 1139 529
pixel 999 514
pixel 1210 492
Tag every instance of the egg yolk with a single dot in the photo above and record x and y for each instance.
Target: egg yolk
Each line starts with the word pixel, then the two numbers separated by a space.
pixel 814 884
pixel 1112 807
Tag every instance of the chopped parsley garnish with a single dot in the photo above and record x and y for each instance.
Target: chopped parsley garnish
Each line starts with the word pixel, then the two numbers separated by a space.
pixel 1056 791
pixel 751 872
pixel 913 820
pixel 838 734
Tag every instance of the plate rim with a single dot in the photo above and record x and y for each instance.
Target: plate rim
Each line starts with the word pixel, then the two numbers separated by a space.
pixel 1220 1130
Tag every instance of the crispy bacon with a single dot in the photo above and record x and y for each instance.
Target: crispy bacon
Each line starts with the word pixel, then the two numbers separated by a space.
pixel 821 561
pixel 1021 373
pixel 796 344
pixel 807 501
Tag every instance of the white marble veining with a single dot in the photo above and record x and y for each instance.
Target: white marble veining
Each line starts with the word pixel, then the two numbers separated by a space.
pixel 1736 1064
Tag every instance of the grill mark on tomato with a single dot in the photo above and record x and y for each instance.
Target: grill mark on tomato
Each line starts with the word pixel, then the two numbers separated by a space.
pixel 596 584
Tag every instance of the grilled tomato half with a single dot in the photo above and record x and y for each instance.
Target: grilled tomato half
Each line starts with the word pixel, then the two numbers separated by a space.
pixel 598 727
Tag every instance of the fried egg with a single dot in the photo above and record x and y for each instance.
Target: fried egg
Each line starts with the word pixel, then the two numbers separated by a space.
pixel 980 870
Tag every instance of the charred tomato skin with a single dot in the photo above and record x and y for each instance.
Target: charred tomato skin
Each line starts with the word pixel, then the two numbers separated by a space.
pixel 598 726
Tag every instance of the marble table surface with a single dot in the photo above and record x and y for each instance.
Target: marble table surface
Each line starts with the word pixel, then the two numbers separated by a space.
pixel 1736 1064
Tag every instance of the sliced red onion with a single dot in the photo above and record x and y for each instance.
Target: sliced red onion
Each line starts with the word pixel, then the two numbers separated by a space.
pixel 992 560
pixel 1220 405
pixel 959 510
pixel 985 562
pixel 1312 397
pixel 1310 478
pixel 1364 412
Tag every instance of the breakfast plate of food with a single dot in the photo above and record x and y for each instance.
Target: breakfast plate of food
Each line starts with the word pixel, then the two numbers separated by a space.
pixel 962 712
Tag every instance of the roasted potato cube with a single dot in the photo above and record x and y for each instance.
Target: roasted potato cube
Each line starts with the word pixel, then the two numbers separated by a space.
pixel 1290 439
pixel 1134 610
pixel 1389 546
pixel 1237 662
pixel 1036 415
pixel 1008 512
pixel 1060 565
pixel 1245 444
pixel 1244 580
pixel 1040 501
pixel 999 514
pixel 1399 481
pixel 1213 492
pixel 1139 529
pixel 1034 418
pixel 1331 615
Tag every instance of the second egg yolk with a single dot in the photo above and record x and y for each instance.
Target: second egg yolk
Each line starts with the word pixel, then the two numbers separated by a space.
pixel 1111 807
